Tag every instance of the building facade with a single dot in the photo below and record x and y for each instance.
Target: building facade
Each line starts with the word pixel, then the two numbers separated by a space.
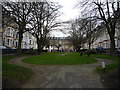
pixel 60 44
pixel 11 37
pixel 104 40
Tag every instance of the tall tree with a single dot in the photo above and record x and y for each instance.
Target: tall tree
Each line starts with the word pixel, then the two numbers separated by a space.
pixel 110 20
pixel 91 31
pixel 78 31
pixel 107 11
pixel 19 13
pixel 44 14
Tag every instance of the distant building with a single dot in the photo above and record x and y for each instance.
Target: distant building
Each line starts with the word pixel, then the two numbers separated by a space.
pixel 59 44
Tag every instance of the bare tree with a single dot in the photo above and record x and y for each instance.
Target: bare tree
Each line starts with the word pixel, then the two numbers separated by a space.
pixel 108 12
pixel 44 14
pixel 91 32
pixel 78 31
pixel 19 13
pixel 84 30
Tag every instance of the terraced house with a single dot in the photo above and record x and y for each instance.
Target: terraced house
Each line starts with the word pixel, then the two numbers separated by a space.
pixel 103 39
pixel 10 39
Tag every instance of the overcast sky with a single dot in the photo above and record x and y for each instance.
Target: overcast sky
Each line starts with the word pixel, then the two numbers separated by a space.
pixel 69 12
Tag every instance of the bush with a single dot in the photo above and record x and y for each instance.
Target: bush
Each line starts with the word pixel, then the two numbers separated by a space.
pixel 81 54
pixel 91 51
pixel 31 51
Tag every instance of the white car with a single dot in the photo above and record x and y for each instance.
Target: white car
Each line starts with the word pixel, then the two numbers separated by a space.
pixel 2 47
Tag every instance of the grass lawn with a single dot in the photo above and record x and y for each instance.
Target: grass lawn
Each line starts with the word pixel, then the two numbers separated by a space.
pixel 0 66
pixel 59 59
pixel 71 59
pixel 14 72
pixel 115 58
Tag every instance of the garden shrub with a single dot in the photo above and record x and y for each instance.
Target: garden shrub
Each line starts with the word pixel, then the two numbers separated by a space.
pixel 91 51
pixel 31 51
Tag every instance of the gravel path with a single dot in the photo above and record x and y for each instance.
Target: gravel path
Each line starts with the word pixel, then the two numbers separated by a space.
pixel 63 76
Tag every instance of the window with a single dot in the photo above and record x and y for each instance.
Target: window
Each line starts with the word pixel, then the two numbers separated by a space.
pixel 13 42
pixel 11 32
pixel 4 32
pixel 13 35
pixel 17 35
pixel 118 43
pixel 8 31
pixel 8 41
pixel 30 41
pixel 25 45
pixel 106 45
pixel 16 43
pixel 5 41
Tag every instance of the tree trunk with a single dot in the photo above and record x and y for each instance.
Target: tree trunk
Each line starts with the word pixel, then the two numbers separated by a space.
pixel 19 42
pixel 111 32
pixel 39 50
pixel 89 46
pixel 38 45
pixel 112 44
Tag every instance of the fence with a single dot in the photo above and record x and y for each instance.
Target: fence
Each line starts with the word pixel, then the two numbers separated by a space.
pixel 12 51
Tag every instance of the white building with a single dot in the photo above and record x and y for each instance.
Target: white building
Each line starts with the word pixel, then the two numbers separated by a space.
pixel 11 36
pixel 104 40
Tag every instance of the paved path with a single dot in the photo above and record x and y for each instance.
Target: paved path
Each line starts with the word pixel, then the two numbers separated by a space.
pixel 63 76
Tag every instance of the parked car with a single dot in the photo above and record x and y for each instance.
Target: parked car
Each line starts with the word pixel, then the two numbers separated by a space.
pixel 7 50
pixel 2 47
pixel 100 49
